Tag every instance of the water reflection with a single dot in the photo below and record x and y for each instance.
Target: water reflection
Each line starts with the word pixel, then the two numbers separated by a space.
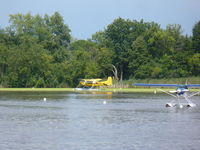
pixel 95 94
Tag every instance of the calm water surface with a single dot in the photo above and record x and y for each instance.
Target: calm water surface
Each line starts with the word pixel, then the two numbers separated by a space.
pixel 81 121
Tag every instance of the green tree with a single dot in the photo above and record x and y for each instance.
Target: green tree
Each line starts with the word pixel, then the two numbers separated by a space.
pixel 104 54
pixel 50 31
pixel 104 61
pixel 194 63
pixel 59 31
pixel 37 50
pixel 196 37
pixel 83 61
pixel 160 44
pixel 138 55
pixel 27 63
pixel 120 35
pixel 3 64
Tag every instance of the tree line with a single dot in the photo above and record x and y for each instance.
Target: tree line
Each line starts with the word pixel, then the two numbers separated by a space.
pixel 39 51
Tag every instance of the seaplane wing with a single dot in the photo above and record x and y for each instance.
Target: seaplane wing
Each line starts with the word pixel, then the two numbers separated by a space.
pixel 167 85
pixel 193 85
pixel 157 85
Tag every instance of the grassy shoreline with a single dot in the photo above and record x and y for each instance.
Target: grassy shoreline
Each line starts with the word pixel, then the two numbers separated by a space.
pixel 136 90
pixel 36 89
pixel 124 86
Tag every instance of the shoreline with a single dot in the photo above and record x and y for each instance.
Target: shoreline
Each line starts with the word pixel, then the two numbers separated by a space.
pixel 36 89
pixel 134 90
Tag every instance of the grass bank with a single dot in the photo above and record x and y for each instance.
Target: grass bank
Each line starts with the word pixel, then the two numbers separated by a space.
pixel 72 89
pixel 124 86
pixel 133 90
pixel 36 89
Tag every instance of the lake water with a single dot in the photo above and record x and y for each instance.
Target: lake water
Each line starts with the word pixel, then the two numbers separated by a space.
pixel 96 121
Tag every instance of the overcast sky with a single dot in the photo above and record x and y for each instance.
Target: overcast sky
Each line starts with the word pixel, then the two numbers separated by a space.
pixel 85 17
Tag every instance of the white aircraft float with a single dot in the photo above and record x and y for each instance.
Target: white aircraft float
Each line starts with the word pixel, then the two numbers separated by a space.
pixel 181 91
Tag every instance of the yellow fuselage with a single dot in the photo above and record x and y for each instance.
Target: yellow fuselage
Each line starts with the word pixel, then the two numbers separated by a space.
pixel 96 82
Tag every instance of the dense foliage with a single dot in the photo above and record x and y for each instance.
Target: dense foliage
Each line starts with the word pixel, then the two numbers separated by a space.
pixel 38 51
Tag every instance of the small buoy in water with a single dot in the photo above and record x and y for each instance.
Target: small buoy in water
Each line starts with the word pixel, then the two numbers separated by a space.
pixel 181 106
pixel 45 99
pixel 104 102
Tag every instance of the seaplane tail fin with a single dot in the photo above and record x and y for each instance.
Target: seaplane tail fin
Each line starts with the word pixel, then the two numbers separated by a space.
pixel 109 81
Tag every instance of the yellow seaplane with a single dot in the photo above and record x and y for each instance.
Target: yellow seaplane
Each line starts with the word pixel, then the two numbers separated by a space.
pixel 91 83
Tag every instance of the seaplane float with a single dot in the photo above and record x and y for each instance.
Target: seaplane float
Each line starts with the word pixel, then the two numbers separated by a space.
pixel 181 91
